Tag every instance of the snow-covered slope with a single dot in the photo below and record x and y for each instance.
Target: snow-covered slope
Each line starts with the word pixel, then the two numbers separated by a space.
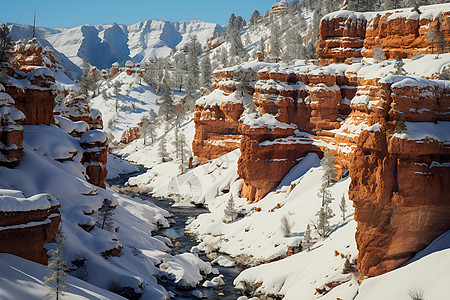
pixel 105 44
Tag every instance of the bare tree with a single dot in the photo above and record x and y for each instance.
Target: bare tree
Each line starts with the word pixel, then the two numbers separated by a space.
pixel 329 166
pixel 378 53
pixel 162 150
pixel 324 215
pixel 116 92
pixel 285 226
pixel 307 239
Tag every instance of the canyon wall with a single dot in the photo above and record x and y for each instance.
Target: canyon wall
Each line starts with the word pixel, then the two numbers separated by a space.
pixel 402 32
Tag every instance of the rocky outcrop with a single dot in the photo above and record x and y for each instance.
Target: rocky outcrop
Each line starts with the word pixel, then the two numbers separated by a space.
pixel 76 108
pixel 96 119
pixel 27 224
pixel 403 32
pixel 95 155
pixel 131 134
pixel 11 131
pixel 398 179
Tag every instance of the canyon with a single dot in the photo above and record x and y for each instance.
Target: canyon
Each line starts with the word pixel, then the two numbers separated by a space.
pixel 350 110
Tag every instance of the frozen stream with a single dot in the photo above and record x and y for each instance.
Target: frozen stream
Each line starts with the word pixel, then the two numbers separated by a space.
pixel 183 243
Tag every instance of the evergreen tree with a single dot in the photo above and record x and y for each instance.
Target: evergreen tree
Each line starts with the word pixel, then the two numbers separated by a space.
pixel 398 66
pixel 5 43
pixel 230 212
pixel 86 82
pixel 162 150
pixel 262 46
pixel 285 226
pixel 325 195
pixel 56 279
pixel 324 215
pixel 116 92
pixel 254 18
pixel 224 57
pixel 348 267
pixel 401 125
pixel 4 78
pixel 343 207
pixel 194 49
pixel 329 167
pixel 275 44
pixel 148 127
pixel 180 70
pixel 105 215
pixel 181 150
pixel 307 239
pixel 206 70
pixel 167 107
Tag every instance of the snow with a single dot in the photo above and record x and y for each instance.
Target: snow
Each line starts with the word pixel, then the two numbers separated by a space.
pixel 15 202
pixel 266 120
pixel 69 126
pixel 216 281
pixel 117 166
pixel 94 136
pixel 426 272
pixel 217 97
pixel 223 262
pixel 23 279
pixel 439 131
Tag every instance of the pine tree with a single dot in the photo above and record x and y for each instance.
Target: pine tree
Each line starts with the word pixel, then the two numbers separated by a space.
pixel 167 107
pixel 206 70
pixel 5 43
pixel 224 57
pixel 162 150
pixel 56 280
pixel 307 239
pixel 398 66
pixel 401 125
pixel 116 92
pixel 254 18
pixel 181 150
pixel 325 195
pixel 194 49
pixel 230 213
pixel 343 207
pixel 324 215
pixel 86 82
pixel 105 215
pixel 180 70
pixel 348 267
pixel 329 167
pixel 285 226
pixel 275 44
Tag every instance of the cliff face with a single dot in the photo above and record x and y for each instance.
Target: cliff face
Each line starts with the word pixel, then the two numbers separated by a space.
pixel 95 155
pixel 403 32
pixel 11 131
pixel 27 224
pixel 399 179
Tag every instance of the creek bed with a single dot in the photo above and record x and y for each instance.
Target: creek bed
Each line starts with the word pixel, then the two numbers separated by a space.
pixel 183 242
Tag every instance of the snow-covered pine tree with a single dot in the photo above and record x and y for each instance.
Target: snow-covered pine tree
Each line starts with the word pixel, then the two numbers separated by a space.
pixel 307 239
pixel 324 215
pixel 343 207
pixel 275 43
pixel 5 42
pixel 224 57
pixel 254 18
pixel 230 212
pixel 262 46
pixel 86 80
pixel 162 150
pixel 325 195
pixel 105 215
pixel 206 69
pixel 55 280
pixel 329 166
pixel 167 107
pixel 116 91
pixel 180 70
pixel 194 49
pixel 378 53
pixel 398 66
pixel 285 226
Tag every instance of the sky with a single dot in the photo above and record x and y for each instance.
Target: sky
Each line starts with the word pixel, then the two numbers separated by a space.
pixel 66 13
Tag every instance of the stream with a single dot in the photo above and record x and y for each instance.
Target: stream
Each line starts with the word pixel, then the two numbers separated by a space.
pixel 176 232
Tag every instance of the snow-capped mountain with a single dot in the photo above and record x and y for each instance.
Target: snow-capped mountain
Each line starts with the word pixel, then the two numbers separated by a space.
pixel 105 44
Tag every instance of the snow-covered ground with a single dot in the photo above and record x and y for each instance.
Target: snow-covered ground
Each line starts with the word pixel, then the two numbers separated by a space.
pixel 134 220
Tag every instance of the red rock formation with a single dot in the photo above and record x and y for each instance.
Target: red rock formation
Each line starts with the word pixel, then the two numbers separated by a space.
pixel 404 32
pixel 11 131
pixel 77 109
pixel 96 120
pixel 27 231
pixel 95 155
pixel 131 134
pixel 398 180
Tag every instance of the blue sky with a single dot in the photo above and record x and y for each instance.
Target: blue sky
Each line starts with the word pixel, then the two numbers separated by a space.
pixel 67 13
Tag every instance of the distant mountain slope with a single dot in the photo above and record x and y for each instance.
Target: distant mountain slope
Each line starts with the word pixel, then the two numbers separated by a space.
pixel 105 44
